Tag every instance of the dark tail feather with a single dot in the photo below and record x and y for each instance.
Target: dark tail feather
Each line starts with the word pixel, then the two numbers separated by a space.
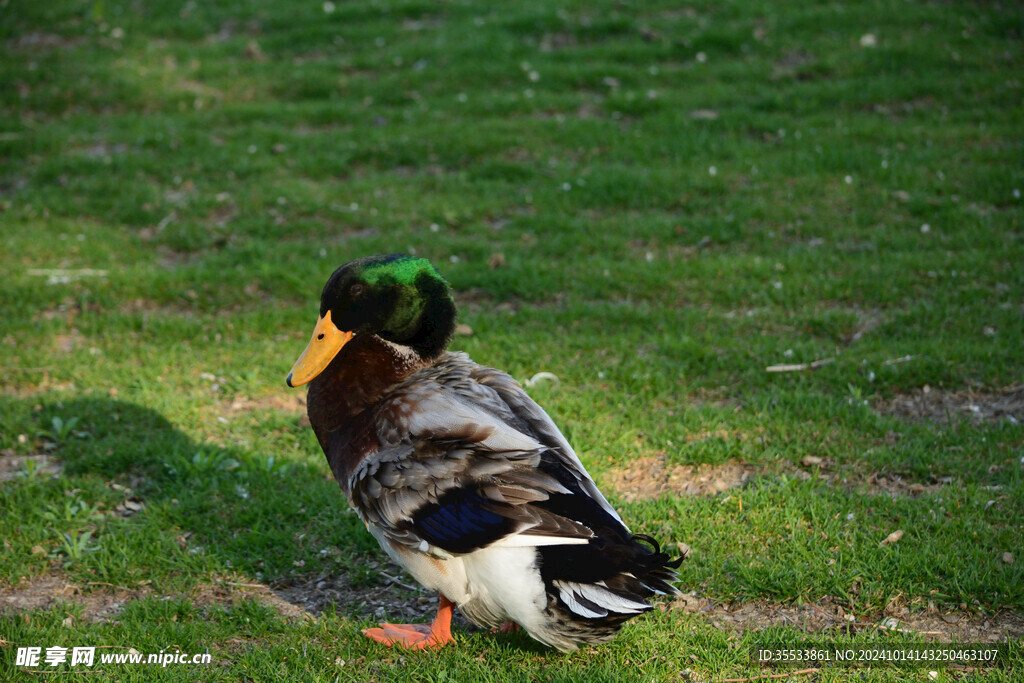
pixel 658 569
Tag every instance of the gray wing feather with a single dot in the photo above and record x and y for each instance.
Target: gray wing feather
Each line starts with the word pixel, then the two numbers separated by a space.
pixel 457 424
pixel 540 423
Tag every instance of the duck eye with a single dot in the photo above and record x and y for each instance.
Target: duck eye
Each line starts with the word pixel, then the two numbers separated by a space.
pixel 320 336
pixel 355 290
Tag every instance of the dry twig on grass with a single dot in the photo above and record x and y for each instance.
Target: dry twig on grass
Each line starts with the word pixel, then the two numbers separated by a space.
pixel 797 367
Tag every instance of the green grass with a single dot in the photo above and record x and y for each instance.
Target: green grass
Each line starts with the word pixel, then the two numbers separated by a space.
pixel 682 196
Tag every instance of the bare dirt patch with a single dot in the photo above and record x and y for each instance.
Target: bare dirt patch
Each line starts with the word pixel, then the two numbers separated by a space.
pixel 881 482
pixel 103 601
pixel 292 402
pixel 945 407
pixel 36 594
pixel 650 477
pixel 99 601
pixel 396 597
pixel 12 466
pixel 228 592
pixel 896 486
pixel 827 615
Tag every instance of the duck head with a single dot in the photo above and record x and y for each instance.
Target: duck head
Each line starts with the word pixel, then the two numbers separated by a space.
pixel 400 298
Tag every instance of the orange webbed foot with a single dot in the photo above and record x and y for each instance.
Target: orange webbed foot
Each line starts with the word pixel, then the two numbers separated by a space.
pixel 411 636
pixel 417 636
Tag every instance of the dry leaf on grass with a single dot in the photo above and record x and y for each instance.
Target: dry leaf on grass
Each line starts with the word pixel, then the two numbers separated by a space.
pixel 892 538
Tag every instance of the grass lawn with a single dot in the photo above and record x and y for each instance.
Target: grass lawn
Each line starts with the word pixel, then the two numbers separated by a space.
pixel 655 202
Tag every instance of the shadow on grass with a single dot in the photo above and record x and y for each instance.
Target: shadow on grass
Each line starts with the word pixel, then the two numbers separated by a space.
pixel 169 511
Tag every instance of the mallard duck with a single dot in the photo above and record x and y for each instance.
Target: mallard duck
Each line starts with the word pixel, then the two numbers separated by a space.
pixel 463 479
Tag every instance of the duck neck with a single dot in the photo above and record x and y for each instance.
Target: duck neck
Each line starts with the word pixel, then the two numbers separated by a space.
pixel 437 322
pixel 339 399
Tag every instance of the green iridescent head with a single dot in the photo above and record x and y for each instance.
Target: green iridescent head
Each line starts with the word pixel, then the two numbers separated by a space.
pixel 399 297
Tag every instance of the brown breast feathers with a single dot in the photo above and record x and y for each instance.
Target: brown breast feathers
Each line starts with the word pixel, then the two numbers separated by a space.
pixel 341 399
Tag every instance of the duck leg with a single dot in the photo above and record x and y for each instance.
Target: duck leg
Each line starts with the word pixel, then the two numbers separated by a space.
pixel 506 628
pixel 417 636
pixel 509 627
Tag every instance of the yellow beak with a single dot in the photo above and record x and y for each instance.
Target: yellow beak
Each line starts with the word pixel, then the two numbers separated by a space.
pixel 323 347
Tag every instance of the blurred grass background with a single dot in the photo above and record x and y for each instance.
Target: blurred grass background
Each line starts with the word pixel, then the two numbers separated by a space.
pixel 652 201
